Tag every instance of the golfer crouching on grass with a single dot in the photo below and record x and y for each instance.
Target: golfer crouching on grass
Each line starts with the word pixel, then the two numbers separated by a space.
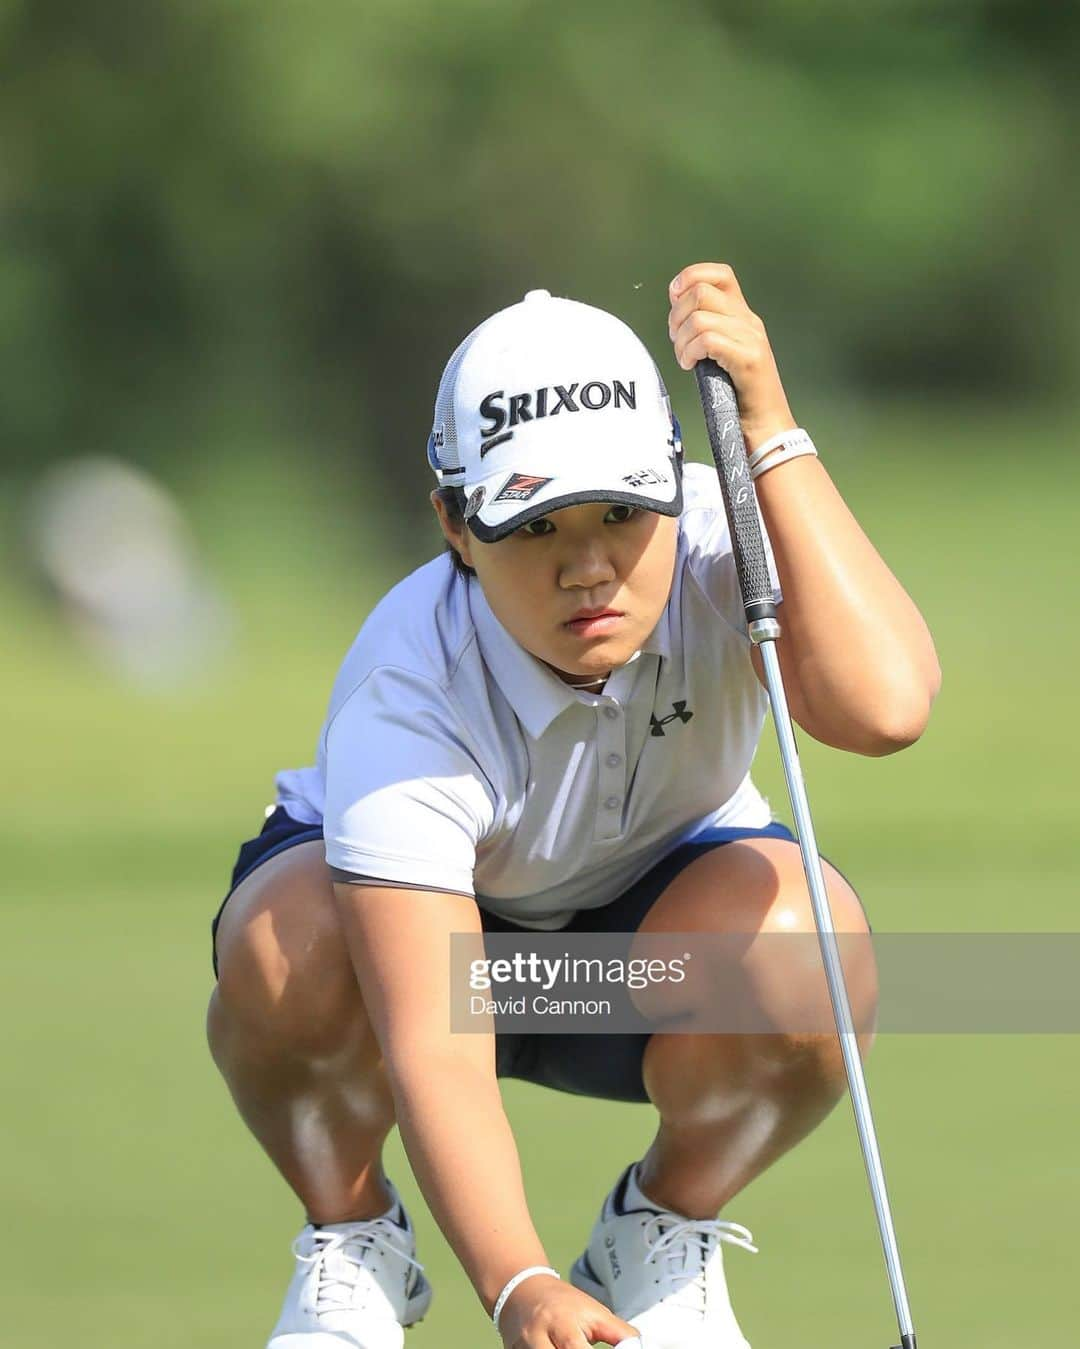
pixel 550 727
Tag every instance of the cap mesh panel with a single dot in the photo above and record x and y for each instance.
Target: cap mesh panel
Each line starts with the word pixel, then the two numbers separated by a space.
pixel 444 405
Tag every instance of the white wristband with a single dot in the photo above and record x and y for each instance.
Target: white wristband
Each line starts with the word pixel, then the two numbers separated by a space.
pixel 782 437
pixel 796 436
pixel 500 1301
pixel 782 456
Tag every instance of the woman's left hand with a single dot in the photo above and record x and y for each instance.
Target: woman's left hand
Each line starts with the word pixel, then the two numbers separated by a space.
pixel 710 317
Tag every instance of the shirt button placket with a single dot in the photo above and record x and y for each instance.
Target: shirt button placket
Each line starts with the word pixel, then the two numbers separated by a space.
pixel 611 778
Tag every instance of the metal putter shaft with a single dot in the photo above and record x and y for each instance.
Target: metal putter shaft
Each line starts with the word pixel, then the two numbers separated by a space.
pixel 740 502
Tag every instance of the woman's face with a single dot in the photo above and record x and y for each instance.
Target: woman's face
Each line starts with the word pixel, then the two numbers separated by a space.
pixel 596 556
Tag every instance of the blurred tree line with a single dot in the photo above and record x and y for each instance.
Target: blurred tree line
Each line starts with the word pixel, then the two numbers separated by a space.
pixel 225 221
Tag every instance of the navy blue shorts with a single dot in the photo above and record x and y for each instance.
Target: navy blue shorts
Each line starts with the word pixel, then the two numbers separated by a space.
pixel 605 1066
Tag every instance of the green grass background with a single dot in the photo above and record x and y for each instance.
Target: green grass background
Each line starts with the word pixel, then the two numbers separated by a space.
pixel 138 1211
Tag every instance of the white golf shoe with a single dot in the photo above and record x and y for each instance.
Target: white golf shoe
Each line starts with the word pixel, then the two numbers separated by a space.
pixel 357 1285
pixel 661 1271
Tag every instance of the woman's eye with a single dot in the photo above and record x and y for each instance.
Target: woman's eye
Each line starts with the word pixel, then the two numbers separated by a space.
pixel 616 515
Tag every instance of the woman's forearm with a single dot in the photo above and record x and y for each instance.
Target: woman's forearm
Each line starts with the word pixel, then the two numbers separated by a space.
pixel 858 660
pixel 462 1152
pixel 859 664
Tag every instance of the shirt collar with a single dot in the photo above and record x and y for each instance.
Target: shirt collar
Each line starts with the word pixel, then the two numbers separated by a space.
pixel 536 695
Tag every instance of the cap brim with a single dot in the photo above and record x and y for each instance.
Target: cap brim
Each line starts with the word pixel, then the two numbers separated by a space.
pixel 494 519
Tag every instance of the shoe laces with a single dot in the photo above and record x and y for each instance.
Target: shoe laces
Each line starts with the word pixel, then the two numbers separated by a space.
pixel 339 1258
pixel 685 1245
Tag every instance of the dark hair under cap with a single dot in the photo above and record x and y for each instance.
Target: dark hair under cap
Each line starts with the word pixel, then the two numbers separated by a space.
pixel 453 498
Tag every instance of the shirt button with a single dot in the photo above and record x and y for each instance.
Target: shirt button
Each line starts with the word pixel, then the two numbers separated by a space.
pixel 612 803
pixel 613 760
pixel 611 712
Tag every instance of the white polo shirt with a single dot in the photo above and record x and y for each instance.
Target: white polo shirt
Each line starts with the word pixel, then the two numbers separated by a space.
pixel 453 759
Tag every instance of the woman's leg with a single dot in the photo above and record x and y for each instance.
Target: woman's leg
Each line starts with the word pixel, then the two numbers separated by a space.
pixel 288 1031
pixel 731 1104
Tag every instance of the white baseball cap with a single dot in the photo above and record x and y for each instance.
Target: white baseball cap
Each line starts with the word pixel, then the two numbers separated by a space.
pixel 550 403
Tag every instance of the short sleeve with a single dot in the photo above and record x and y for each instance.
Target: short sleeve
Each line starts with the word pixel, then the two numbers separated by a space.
pixel 406 799
pixel 709 555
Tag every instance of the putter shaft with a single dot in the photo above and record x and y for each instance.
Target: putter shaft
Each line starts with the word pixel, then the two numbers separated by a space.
pixel 720 407
pixel 765 636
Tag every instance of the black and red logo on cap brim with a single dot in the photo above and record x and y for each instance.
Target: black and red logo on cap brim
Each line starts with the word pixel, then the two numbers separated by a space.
pixel 520 487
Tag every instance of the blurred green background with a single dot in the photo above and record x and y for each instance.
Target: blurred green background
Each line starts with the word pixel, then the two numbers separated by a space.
pixel 238 244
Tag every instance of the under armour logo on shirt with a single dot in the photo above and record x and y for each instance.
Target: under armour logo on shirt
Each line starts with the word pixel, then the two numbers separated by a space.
pixel 680 714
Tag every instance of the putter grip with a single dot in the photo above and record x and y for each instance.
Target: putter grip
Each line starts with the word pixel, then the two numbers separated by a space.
pixel 729 454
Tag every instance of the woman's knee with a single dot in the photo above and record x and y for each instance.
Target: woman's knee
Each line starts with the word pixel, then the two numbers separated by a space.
pixel 284 972
pixel 763 969
pixel 787 970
